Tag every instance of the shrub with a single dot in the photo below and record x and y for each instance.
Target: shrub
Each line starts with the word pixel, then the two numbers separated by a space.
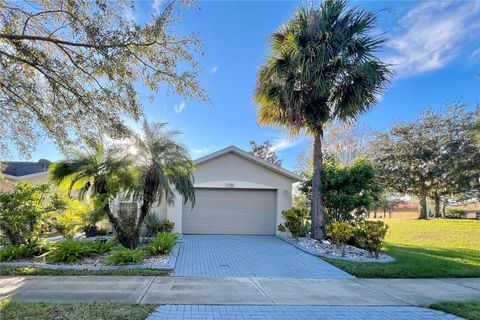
pixel 24 213
pixel 295 221
pixel 152 224
pixel 69 251
pixel 341 232
pixel 69 215
pixel 101 247
pixel 166 226
pixel 19 251
pixel 122 255
pixel 103 231
pixel 163 243
pixel 456 214
pixel 370 235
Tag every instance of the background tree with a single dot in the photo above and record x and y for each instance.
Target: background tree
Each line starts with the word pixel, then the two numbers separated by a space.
pixel 73 66
pixel 265 151
pixel 348 191
pixel 322 67
pixel 433 155
pixel 163 167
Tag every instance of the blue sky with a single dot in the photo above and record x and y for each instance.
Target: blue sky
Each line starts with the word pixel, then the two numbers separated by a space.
pixel 435 46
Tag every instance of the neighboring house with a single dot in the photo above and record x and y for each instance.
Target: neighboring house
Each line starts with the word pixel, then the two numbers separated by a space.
pixel 13 172
pixel 236 193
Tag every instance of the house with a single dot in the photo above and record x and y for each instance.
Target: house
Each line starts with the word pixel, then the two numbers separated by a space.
pixel 236 193
pixel 13 172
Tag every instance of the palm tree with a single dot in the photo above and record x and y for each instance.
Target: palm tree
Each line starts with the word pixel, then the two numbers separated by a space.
pixel 322 67
pixel 98 173
pixel 164 166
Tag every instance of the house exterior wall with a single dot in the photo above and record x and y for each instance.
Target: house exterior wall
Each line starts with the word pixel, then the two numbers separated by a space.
pixel 233 171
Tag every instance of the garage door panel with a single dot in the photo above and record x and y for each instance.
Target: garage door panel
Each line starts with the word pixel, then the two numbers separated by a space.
pixel 220 211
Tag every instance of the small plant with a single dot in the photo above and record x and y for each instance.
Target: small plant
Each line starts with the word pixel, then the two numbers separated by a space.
pixel 15 252
pixel 69 251
pixel 370 235
pixel 163 243
pixel 295 222
pixel 122 255
pixel 341 232
pixel 103 231
pixel 152 224
pixel 101 247
pixel 456 214
pixel 166 226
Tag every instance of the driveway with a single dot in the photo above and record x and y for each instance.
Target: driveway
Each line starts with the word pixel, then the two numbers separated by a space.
pixel 249 256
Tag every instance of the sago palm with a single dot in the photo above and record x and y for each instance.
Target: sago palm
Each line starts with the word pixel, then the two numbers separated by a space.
pixel 164 168
pixel 322 67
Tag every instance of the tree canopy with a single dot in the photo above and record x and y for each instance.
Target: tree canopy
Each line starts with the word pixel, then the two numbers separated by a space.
pixel 435 153
pixel 265 151
pixel 71 68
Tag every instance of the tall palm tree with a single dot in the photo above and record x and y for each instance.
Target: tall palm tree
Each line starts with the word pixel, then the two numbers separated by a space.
pixel 322 67
pixel 164 166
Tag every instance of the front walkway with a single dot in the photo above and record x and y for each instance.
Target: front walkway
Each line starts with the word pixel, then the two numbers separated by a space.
pixel 240 291
pixel 249 256
pixel 191 312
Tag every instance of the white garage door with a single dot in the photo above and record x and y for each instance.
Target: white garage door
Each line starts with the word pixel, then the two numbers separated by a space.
pixel 230 211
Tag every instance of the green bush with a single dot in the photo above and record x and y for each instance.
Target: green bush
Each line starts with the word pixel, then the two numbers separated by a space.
pixel 122 255
pixel 370 235
pixel 341 232
pixel 456 213
pixel 24 212
pixel 163 243
pixel 296 222
pixel 19 251
pixel 166 226
pixel 69 251
pixel 151 224
pixel 101 247
pixel 103 231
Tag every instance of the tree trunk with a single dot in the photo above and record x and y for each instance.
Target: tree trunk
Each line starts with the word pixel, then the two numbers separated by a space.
pixel 423 206
pixel 317 202
pixel 375 214
pixel 444 206
pixel 436 198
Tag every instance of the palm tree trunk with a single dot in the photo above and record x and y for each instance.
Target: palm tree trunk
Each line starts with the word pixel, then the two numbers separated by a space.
pixel 317 202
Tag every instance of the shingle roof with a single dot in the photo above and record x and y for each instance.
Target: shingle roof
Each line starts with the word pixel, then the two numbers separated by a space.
pixel 21 168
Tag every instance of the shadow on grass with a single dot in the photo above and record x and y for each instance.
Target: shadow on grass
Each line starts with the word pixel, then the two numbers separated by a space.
pixel 417 262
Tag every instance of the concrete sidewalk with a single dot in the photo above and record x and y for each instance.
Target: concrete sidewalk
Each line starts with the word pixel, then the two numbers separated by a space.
pixel 240 291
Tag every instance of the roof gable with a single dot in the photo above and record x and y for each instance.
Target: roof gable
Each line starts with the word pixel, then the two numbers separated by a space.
pixel 243 154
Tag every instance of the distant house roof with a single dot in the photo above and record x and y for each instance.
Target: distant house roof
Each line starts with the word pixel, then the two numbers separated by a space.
pixel 23 168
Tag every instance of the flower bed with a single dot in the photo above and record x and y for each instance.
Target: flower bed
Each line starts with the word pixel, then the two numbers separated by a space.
pixel 329 250
pixel 152 259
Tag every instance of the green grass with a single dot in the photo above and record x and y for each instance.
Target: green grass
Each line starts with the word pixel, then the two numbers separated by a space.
pixel 32 271
pixel 425 249
pixel 73 311
pixel 469 310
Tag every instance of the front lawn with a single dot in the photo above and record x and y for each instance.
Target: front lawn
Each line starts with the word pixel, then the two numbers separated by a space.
pixel 469 310
pixel 74 311
pixel 425 249
pixel 32 271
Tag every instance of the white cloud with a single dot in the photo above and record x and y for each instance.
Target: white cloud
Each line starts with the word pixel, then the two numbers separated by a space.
pixel 214 70
pixel 201 151
pixel 432 34
pixel 475 55
pixel 156 4
pixel 129 15
pixel 179 107
pixel 286 142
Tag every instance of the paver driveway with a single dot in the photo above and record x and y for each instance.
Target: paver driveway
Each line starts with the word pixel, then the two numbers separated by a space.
pixel 249 256
pixel 229 312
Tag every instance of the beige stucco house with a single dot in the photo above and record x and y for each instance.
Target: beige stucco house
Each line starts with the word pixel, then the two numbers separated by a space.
pixel 236 193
